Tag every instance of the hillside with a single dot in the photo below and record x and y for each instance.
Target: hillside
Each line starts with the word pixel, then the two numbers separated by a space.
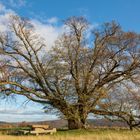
pixel 63 123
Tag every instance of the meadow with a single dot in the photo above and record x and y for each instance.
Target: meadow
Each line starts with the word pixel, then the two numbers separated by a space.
pixel 81 135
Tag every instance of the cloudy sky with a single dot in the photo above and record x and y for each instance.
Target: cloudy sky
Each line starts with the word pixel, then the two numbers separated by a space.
pixel 47 17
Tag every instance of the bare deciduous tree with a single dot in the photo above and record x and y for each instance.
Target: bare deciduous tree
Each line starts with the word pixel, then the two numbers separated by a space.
pixel 125 100
pixel 76 76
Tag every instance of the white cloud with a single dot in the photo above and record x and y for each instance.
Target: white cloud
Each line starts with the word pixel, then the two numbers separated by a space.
pixel 15 111
pixel 2 7
pixel 27 116
pixel 4 10
pixel 4 17
pixel 17 3
pixel 52 20
pixel 47 31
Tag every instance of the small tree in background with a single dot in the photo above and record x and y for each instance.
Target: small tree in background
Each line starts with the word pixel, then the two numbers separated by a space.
pixel 125 101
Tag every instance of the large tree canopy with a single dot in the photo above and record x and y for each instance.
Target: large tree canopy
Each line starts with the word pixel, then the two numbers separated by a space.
pixel 78 75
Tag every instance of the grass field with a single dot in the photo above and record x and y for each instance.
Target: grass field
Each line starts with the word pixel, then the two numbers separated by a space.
pixel 81 135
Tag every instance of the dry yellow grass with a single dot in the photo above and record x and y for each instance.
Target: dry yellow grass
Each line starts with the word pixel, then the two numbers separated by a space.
pixel 90 137
pixel 97 135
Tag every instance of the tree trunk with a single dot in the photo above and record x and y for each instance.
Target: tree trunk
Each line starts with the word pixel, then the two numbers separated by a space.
pixel 76 124
pixel 131 127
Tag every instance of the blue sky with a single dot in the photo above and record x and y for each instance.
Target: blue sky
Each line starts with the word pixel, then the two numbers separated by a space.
pixel 47 16
pixel 126 12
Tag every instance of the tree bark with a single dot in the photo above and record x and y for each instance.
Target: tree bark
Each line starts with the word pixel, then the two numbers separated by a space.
pixel 131 127
pixel 76 124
